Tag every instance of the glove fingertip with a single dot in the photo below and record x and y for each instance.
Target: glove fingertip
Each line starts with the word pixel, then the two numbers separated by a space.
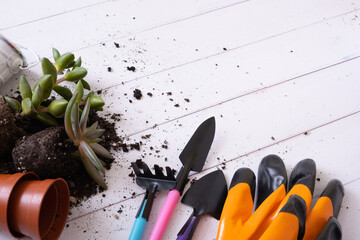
pixel 297 206
pixel 331 231
pixel 271 175
pixel 304 173
pixel 335 191
pixel 244 175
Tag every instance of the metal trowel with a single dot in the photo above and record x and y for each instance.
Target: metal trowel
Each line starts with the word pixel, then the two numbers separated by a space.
pixel 206 196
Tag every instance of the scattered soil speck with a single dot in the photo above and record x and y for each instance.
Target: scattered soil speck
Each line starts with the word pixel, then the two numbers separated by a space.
pixel 135 146
pixel 194 180
pixel 137 94
pixel 147 136
pixel 116 45
pixel 132 68
pixel 109 69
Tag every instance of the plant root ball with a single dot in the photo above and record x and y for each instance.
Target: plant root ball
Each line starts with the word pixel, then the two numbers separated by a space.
pixel 9 132
pixel 47 153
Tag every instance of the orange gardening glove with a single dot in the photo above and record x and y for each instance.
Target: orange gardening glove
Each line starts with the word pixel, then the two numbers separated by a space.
pixel 278 214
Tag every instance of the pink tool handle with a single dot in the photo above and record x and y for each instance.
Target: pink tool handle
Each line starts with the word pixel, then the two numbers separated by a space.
pixel 165 215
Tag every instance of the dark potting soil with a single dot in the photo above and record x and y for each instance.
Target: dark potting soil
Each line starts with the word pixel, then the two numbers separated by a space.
pixel 9 132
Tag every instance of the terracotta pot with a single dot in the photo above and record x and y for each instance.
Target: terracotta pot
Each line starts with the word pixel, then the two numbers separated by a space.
pixel 33 207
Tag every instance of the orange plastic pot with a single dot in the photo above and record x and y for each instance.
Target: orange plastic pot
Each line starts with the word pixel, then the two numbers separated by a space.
pixel 32 207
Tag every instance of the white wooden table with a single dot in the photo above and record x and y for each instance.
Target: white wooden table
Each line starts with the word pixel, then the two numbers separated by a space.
pixel 280 76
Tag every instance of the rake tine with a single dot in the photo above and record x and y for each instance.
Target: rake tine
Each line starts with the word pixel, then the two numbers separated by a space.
pixel 169 173
pixel 136 169
pixel 158 171
pixel 146 170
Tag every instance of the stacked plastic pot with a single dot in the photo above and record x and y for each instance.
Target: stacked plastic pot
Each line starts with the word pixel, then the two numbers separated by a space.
pixel 32 207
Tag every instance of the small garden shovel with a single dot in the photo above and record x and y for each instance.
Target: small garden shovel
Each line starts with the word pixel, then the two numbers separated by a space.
pixel 152 183
pixel 206 196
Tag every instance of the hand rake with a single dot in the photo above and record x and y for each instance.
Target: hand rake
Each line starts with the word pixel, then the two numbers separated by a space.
pixel 152 183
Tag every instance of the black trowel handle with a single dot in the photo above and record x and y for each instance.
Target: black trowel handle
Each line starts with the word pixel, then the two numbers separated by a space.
pixel 188 229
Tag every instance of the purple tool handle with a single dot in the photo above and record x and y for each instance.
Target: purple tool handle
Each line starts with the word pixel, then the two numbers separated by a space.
pixel 165 215
pixel 185 234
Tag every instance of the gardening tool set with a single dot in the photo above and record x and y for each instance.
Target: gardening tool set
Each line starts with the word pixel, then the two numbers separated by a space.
pixel 280 210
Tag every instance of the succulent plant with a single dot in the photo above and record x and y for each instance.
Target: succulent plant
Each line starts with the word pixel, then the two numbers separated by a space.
pixel 86 139
pixel 31 104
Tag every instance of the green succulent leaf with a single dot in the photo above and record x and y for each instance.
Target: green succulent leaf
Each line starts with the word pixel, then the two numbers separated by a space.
pixel 47 119
pixel 94 174
pixel 96 101
pixel 84 116
pixel 71 64
pixel 95 140
pixel 13 103
pixel 91 156
pixel 25 89
pixel 85 84
pixel 28 108
pixel 37 97
pixel 75 121
pixel 63 91
pixel 93 126
pixel 76 74
pixel 67 117
pixel 46 83
pixel 79 89
pixel 57 107
pixel 49 68
pixel 78 63
pixel 95 133
pixel 63 61
pixel 56 54
pixel 100 150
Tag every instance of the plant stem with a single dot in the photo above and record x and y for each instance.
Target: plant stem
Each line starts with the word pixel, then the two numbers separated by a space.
pixel 60 80
pixel 43 109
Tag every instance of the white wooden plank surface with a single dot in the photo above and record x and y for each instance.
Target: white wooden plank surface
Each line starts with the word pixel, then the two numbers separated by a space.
pixel 26 12
pixel 282 111
pixel 289 67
